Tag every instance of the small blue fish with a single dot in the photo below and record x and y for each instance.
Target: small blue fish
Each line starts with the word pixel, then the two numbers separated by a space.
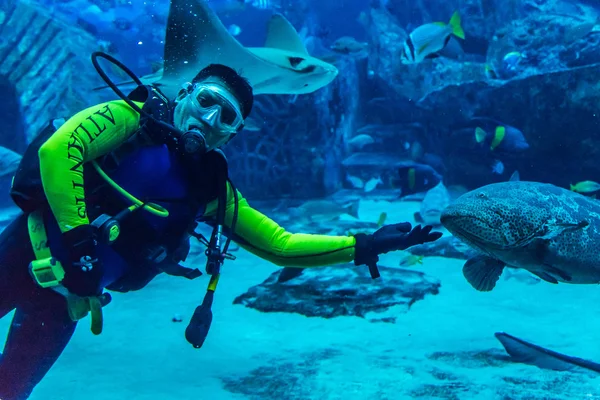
pixel 260 4
pixel 234 30
pixel 498 167
pixel 355 181
pixel 372 184
pixel 429 39
pixel 415 177
pixel 498 137
pixel 511 61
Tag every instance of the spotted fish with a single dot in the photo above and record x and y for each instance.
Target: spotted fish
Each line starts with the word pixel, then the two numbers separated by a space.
pixel 549 231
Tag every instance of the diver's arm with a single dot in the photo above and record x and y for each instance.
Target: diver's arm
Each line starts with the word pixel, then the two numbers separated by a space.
pixel 87 135
pixel 262 236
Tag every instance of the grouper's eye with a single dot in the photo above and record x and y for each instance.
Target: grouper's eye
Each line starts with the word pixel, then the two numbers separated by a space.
pixel 482 195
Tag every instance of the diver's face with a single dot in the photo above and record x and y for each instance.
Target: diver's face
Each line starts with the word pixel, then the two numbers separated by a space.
pixel 211 109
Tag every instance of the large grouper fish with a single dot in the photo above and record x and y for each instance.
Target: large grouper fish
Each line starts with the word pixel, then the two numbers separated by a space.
pixel 549 231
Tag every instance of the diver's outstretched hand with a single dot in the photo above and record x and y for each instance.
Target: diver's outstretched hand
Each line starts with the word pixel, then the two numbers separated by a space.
pixel 390 238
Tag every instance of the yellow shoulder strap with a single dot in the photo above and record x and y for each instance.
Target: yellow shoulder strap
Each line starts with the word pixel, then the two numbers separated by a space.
pixel 37 235
pixel 48 273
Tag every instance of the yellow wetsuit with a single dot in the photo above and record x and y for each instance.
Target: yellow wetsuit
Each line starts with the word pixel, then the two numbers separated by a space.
pixel 98 130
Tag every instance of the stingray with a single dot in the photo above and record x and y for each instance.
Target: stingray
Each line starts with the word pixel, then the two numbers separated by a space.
pixel 529 353
pixel 196 37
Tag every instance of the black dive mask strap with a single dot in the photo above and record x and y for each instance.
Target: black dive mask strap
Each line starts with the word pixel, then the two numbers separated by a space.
pixel 157 110
pixel 216 255
pixel 189 142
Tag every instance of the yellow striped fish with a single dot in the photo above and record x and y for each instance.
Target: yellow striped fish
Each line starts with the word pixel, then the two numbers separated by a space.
pixel 429 39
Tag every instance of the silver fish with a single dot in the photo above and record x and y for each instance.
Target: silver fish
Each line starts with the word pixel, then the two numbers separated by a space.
pixel 355 181
pixel 435 201
pixel 360 141
pixel 324 210
pixel 348 45
pixel 372 184
pixel 429 39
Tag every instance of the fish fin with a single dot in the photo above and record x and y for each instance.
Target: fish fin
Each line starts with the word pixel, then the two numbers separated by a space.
pixel 579 225
pixel 541 252
pixel 545 277
pixel 382 218
pixel 454 23
pixel 482 272
pixel 352 209
pixel 529 353
pixel 500 131
pixel 289 273
pixel 412 178
pixel 553 230
pixel 557 272
pixel 447 40
pixel 499 134
pixel 282 35
pixel 480 135
pixel 418 217
pixel 432 56
pixel 452 49
pixel 573 187
pixel 515 177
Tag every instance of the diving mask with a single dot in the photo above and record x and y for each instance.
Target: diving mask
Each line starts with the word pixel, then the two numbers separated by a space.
pixel 217 108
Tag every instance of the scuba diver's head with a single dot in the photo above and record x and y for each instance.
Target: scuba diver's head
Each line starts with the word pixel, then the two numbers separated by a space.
pixel 215 104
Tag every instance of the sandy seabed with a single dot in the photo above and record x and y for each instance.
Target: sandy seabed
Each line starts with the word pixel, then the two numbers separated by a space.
pixel 438 350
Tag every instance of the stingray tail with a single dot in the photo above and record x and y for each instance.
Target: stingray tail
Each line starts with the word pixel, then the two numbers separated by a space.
pixel 529 353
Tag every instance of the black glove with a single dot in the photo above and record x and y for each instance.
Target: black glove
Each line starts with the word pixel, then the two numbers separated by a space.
pixel 83 270
pixel 390 238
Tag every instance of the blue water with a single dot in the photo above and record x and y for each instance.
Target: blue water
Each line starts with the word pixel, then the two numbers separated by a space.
pixel 417 115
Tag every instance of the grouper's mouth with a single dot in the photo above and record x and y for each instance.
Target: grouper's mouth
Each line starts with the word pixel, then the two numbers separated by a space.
pixel 473 240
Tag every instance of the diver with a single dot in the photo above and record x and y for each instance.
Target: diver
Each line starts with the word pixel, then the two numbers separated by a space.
pixel 111 160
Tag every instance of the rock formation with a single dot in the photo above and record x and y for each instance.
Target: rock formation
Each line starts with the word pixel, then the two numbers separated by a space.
pixel 342 290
